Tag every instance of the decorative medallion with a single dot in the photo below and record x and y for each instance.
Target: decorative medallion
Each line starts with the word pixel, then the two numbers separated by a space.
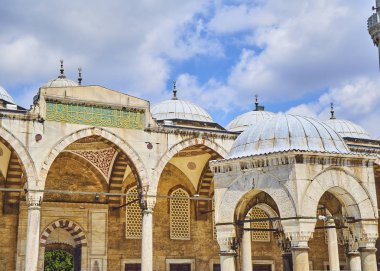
pixel 191 165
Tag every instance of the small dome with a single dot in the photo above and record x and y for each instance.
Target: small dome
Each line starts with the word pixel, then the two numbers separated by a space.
pixel 179 109
pixel 4 95
pixel 285 132
pixel 60 82
pixel 242 122
pixel 346 128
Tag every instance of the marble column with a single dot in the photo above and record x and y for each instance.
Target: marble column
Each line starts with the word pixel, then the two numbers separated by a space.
pixel 300 258
pixel 332 244
pixel 367 234
pixel 147 237
pixel 246 246
pixel 299 247
pixel 368 258
pixel 33 230
pixel 226 237
pixel 354 261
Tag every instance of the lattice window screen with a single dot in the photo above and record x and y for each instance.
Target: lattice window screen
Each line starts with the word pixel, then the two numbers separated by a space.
pixel 180 215
pixel 260 236
pixel 133 215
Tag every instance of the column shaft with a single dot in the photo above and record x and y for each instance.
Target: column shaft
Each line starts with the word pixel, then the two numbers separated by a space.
pixel 246 246
pixel 332 241
pixel 147 241
pixel 32 238
pixel 354 261
pixel 368 258
pixel 300 258
pixel 227 262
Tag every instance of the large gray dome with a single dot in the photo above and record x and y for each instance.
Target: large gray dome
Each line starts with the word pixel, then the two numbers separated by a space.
pixel 242 122
pixel 347 128
pixel 4 95
pixel 286 132
pixel 180 109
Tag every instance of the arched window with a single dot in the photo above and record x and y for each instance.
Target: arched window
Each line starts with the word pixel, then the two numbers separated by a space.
pixel 133 220
pixel 180 215
pixel 260 236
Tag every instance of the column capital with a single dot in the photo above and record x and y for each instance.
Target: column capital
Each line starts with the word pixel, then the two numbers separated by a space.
pixel 299 231
pixel 34 199
pixel 366 233
pixel 299 239
pixel 226 238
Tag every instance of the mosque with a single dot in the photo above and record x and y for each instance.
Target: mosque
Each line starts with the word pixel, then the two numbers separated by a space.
pixel 119 185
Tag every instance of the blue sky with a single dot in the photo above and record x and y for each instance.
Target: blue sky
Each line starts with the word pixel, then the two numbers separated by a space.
pixel 298 55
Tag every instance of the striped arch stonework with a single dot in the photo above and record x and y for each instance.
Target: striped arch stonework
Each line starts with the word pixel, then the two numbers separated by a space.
pixel 203 144
pixel 74 229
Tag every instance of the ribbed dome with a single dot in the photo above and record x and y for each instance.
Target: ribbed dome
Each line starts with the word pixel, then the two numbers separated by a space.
pixel 287 133
pixel 242 122
pixel 179 109
pixel 60 82
pixel 4 95
pixel 347 128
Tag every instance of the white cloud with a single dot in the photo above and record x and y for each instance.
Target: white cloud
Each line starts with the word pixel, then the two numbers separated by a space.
pixel 356 101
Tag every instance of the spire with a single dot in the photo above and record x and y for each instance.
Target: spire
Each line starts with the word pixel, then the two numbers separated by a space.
pixel 79 76
pixel 257 106
pixel 332 111
pixel 62 70
pixel 174 91
pixel 256 102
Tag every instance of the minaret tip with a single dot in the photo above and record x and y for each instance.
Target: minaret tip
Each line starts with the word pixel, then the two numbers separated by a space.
pixel 174 90
pixel 80 76
pixel 332 111
pixel 62 70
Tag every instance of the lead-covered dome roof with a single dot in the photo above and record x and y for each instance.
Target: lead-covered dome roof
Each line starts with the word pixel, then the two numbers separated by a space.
pixel 346 128
pixel 61 80
pixel 4 95
pixel 242 122
pixel 179 109
pixel 285 132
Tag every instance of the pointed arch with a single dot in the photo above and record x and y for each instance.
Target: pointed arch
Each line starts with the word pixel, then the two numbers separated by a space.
pixel 9 140
pixel 205 144
pixel 73 228
pixel 249 185
pixel 345 187
pixel 110 137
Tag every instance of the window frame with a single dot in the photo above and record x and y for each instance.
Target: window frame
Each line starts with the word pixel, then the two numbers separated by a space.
pixel 180 261
pixel 129 261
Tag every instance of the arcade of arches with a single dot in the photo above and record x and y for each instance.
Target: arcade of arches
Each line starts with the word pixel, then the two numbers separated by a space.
pixel 93 173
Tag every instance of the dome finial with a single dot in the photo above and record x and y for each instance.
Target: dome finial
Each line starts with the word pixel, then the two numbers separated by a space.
pixel 80 76
pixel 256 102
pixel 62 70
pixel 174 91
pixel 332 111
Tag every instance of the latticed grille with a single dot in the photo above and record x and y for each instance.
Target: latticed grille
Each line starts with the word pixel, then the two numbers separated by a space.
pixel 259 236
pixel 133 215
pixel 180 215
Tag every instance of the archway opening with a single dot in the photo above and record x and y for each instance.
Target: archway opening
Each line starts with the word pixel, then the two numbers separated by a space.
pixel 259 232
pixel 62 247
pixel 327 246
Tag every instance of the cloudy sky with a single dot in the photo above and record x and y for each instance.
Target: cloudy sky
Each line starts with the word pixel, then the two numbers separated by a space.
pixel 298 55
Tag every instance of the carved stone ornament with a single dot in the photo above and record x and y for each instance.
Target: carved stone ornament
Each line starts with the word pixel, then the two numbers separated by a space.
pixel 299 239
pixel 34 199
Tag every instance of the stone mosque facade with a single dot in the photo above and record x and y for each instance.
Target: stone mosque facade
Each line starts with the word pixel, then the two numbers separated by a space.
pixel 121 185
